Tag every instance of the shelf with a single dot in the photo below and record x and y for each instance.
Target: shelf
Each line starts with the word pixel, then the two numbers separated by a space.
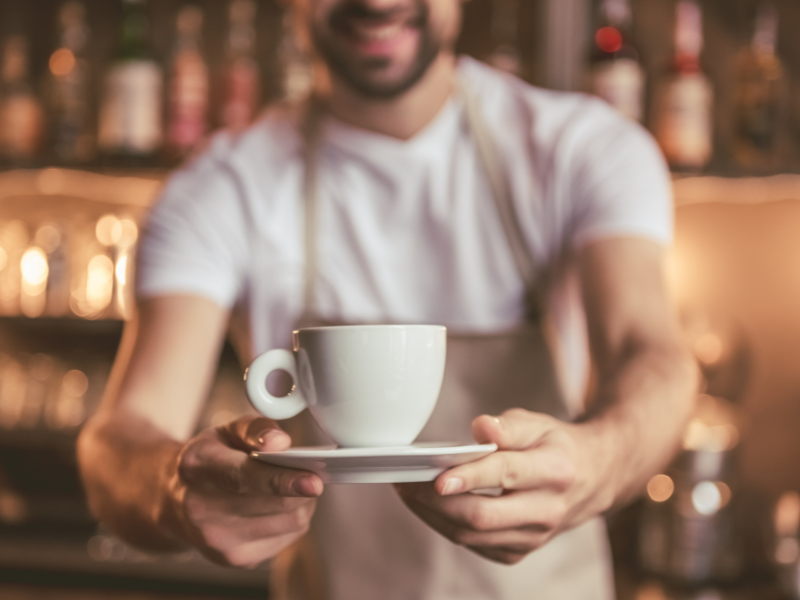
pixel 75 562
pixel 131 188
pixel 56 439
pixel 60 335
pixel 706 189
pixel 67 325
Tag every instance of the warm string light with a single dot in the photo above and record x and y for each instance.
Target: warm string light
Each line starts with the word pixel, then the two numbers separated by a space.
pixel 34 270
pixel 107 275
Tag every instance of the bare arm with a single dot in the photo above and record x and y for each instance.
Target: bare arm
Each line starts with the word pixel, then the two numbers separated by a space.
pixel 557 475
pixel 647 380
pixel 158 487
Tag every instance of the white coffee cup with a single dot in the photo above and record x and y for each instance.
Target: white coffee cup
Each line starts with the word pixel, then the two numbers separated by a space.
pixel 365 385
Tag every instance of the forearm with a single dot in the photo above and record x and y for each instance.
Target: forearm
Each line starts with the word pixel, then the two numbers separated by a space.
pixel 635 421
pixel 127 466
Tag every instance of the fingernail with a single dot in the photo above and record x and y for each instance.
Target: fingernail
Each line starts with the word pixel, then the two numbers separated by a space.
pixel 270 436
pixel 305 486
pixel 498 421
pixel 452 486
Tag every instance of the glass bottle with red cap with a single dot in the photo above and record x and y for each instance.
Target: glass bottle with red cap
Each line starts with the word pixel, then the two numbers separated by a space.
pixel 616 74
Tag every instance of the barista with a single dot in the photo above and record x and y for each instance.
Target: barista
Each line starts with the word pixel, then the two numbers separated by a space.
pixel 444 192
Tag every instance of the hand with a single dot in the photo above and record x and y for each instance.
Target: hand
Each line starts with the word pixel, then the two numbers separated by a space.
pixel 551 480
pixel 235 510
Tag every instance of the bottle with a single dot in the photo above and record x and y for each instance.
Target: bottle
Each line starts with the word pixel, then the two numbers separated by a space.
pixel 21 115
pixel 69 93
pixel 240 85
pixel 684 99
pixel 616 74
pixel 760 98
pixel 187 102
pixel 130 116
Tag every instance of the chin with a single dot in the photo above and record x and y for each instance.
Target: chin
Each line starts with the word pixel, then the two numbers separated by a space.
pixel 380 81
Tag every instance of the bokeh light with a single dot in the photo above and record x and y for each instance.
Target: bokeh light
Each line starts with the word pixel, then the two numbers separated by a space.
pixel 660 488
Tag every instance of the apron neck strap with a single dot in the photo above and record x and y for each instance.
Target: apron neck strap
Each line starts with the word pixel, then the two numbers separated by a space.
pixel 527 267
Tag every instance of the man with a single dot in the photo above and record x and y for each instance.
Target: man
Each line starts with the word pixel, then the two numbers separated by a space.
pixel 406 231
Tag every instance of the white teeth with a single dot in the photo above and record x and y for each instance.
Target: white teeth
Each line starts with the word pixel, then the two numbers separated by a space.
pixel 372 33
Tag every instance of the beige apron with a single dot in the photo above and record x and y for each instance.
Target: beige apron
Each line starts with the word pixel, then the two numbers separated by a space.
pixel 364 544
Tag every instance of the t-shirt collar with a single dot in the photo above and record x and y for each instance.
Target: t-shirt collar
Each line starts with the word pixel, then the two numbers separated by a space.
pixel 426 142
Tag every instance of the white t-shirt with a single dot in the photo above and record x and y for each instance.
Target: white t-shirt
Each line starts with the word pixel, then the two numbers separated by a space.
pixel 408 232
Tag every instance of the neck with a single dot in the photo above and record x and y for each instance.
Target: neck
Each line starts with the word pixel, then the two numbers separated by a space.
pixel 400 117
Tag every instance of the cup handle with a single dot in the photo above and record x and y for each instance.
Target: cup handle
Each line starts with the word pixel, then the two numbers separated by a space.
pixel 256 383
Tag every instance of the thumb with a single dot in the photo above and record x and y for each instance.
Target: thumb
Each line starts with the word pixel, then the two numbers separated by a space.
pixel 254 433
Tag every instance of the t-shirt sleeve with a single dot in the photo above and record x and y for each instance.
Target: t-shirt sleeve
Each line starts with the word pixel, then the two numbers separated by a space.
pixel 622 185
pixel 195 239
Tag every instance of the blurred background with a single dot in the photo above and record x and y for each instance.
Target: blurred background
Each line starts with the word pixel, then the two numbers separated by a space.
pixel 99 99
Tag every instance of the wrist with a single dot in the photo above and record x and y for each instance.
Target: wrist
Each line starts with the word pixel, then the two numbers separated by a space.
pixel 168 510
pixel 600 452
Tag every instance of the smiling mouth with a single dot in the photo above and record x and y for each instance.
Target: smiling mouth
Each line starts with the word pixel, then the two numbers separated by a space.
pixel 374 32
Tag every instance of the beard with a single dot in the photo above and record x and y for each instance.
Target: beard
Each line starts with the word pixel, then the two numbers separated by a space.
pixel 363 75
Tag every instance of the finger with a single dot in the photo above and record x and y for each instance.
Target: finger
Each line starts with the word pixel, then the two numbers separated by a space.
pixel 515 429
pixel 206 506
pixel 527 538
pixel 210 464
pixel 537 511
pixel 249 555
pixel 504 555
pixel 542 468
pixel 228 530
pixel 255 433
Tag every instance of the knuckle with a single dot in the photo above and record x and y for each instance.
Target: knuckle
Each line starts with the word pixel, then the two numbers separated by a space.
pixel 566 474
pixel 552 518
pixel 483 517
pixel 189 462
pixel 459 536
pixel 510 476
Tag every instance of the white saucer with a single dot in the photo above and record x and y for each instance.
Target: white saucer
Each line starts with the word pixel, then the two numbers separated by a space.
pixel 418 462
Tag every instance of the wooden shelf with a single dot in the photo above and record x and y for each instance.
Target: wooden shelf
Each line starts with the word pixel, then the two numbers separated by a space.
pixel 735 190
pixel 133 188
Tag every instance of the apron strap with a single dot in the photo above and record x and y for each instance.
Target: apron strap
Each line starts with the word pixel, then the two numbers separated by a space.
pixel 530 273
pixel 310 124
pixel 527 267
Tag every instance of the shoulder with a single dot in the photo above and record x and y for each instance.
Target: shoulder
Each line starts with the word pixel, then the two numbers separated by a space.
pixel 556 123
pixel 233 167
